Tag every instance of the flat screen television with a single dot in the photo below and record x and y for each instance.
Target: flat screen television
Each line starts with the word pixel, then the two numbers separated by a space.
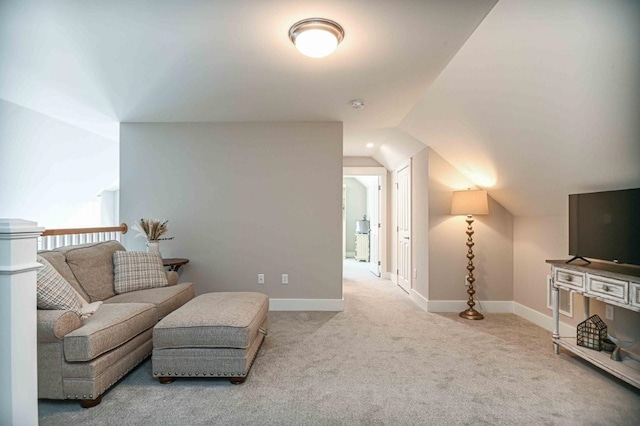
pixel 605 226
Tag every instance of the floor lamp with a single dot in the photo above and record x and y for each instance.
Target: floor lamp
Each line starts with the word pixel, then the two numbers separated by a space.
pixel 470 202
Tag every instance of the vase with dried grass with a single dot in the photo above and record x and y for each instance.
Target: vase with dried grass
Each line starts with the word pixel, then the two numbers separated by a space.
pixel 152 230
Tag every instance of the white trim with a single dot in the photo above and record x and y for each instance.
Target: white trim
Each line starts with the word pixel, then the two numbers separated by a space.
pixel 419 300
pixel 393 277
pixel 385 275
pixel 17 269
pixel 497 306
pixel 542 320
pixel 376 171
pixel 382 214
pixel 336 305
pixel 487 306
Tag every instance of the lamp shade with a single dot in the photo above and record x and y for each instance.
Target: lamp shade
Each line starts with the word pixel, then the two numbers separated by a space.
pixel 469 202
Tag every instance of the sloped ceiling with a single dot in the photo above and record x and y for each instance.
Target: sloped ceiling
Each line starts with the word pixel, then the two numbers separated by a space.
pixel 97 63
pixel 538 100
pixel 543 100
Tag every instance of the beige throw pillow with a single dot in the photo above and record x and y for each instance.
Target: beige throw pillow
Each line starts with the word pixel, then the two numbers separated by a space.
pixel 54 292
pixel 136 270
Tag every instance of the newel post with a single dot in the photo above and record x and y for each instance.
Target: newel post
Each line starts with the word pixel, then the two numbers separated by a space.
pixel 18 357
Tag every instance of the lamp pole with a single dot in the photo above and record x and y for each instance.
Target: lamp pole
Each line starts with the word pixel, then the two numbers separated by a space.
pixel 470 313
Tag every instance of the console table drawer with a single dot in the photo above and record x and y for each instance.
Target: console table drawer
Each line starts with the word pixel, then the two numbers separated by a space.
pixel 569 278
pixel 608 288
pixel 634 294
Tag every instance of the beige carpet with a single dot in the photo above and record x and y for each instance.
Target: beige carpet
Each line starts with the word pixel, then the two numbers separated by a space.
pixel 381 361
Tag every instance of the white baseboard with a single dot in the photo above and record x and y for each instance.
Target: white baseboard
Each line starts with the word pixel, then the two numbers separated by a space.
pixel 542 320
pixel 419 300
pixel 393 277
pixel 488 306
pixel 494 307
pixel 385 275
pixel 336 305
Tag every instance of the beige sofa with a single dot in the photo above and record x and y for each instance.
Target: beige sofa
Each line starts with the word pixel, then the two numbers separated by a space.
pixel 81 358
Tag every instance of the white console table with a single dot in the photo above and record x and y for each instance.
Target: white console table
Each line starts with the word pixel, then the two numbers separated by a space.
pixel 617 285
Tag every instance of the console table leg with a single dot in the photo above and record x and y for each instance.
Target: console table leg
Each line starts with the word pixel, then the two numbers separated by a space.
pixel 556 348
pixel 555 300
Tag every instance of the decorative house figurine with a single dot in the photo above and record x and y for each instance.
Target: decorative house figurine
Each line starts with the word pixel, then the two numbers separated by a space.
pixel 591 333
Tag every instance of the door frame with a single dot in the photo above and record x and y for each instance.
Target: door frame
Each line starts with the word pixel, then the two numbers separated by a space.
pixel 382 234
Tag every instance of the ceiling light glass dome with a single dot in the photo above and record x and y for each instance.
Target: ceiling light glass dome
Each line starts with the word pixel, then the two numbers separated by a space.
pixel 316 37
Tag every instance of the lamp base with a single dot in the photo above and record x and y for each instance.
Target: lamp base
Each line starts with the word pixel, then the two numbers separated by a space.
pixel 471 314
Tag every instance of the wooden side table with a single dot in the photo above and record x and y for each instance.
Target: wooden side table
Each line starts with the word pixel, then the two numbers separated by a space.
pixel 174 263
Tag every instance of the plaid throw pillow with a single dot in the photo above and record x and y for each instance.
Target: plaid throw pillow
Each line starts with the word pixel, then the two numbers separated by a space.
pixel 54 292
pixel 137 270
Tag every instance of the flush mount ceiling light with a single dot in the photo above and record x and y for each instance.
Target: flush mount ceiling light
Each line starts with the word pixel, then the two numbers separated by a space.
pixel 316 37
pixel 357 104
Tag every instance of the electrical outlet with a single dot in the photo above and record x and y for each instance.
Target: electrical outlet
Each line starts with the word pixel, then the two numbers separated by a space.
pixel 466 283
pixel 260 278
pixel 608 312
pixel 415 272
pixel 285 278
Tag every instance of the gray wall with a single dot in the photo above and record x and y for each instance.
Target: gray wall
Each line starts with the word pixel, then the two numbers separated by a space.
pixel 356 209
pixel 241 199
pixel 493 240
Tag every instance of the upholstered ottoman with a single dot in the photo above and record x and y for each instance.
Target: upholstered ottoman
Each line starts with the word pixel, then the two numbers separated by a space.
pixel 213 335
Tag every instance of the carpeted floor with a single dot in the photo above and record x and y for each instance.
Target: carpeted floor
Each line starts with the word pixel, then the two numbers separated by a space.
pixel 381 361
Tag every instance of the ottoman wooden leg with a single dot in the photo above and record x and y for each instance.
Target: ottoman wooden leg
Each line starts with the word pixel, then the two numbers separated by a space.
pixel 166 380
pixel 89 403
pixel 237 380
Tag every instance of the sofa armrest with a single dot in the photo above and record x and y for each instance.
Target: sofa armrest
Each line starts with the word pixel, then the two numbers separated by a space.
pixel 54 325
pixel 172 277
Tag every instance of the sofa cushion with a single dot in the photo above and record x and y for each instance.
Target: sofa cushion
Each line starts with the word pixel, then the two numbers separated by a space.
pixel 136 270
pixel 58 260
pixel 92 265
pixel 166 299
pixel 111 326
pixel 53 291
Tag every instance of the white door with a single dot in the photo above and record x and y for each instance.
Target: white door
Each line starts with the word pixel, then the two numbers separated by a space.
pixel 404 227
pixel 374 224
pixel 344 221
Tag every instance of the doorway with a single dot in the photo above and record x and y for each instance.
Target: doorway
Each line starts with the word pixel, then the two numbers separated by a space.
pixel 364 217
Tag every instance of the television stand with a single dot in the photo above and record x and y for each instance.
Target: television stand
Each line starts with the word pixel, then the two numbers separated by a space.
pixel 576 258
pixel 617 285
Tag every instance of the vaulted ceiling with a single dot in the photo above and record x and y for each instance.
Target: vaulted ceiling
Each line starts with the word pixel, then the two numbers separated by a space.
pixel 532 99
pixel 98 63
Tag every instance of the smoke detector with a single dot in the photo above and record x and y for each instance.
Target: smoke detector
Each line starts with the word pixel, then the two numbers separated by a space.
pixel 357 104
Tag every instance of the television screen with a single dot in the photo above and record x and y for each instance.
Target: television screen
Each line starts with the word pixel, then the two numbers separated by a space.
pixel 605 225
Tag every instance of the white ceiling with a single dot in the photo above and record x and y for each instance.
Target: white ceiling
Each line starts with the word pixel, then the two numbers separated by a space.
pixel 542 101
pixel 532 99
pixel 94 64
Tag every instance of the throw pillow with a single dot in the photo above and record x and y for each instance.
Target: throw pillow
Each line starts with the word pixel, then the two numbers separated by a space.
pixel 137 270
pixel 54 292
